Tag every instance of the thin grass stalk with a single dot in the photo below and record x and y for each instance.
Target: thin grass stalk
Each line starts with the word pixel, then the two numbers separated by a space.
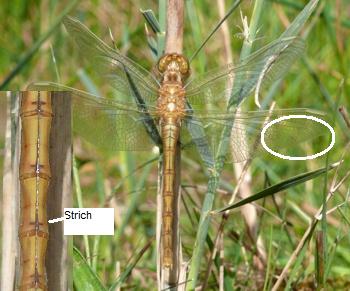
pixel 222 263
pixel 102 200
pixel 196 29
pixel 269 261
pixel 340 232
pixel 130 266
pixel 222 20
pixel 134 200
pixel 127 164
pixel 319 262
pixel 79 195
pixel 344 113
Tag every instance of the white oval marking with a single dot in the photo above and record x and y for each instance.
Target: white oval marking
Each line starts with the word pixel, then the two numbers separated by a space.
pixel 262 137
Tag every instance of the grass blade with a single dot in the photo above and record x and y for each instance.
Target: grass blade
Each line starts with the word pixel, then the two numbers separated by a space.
pixel 279 187
pixel 151 20
pixel 79 194
pixel 123 276
pixel 83 276
pixel 229 12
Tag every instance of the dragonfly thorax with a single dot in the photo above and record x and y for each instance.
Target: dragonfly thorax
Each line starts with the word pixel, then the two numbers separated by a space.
pixel 171 101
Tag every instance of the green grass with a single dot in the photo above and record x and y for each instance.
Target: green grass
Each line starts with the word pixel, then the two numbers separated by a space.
pixel 127 181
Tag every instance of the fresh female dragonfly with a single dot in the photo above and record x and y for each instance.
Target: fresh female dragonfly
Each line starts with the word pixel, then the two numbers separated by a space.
pixel 166 108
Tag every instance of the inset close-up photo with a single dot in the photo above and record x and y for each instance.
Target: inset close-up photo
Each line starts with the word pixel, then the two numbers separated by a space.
pixel 36 185
pixel 175 145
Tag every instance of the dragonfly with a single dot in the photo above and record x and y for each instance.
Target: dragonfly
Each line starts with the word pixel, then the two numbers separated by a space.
pixel 166 107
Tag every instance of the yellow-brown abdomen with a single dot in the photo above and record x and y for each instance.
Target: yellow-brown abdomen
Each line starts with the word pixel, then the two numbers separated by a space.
pixel 36 115
pixel 170 129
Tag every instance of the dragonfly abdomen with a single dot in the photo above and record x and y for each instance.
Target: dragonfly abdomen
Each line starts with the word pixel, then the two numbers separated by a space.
pixel 36 115
pixel 170 129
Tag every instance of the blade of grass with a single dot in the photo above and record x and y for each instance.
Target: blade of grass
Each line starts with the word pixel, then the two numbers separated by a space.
pixel 192 17
pixel 84 278
pixel 319 262
pixel 123 276
pixel 298 264
pixel 332 252
pixel 79 194
pixel 229 12
pixel 134 201
pixel 151 20
pixel 269 259
pixel 124 179
pixel 102 198
pixel 291 182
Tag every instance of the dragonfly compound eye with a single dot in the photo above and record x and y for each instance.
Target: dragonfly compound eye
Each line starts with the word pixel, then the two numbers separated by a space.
pixel 184 67
pixel 163 63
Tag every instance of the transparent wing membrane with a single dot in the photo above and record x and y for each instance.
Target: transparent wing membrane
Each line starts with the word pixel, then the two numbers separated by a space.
pixel 234 82
pixel 112 66
pixel 243 133
pixel 107 124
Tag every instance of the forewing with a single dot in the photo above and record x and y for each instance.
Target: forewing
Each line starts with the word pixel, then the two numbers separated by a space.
pixel 115 68
pixel 107 124
pixel 235 82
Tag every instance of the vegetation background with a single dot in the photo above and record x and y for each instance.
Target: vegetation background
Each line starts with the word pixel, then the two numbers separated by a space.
pixel 33 48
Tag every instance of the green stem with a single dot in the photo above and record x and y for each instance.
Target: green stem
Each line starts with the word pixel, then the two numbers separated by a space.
pixel 80 205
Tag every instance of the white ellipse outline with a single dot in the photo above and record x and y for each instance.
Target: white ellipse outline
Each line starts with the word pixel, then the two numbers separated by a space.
pixel 292 158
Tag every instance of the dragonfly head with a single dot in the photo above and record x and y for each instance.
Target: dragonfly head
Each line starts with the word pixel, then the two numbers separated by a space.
pixel 174 67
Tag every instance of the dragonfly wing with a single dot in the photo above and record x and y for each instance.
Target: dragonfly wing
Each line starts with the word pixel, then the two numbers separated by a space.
pixel 110 64
pixel 234 82
pixel 107 124
pixel 240 132
pixel 194 137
